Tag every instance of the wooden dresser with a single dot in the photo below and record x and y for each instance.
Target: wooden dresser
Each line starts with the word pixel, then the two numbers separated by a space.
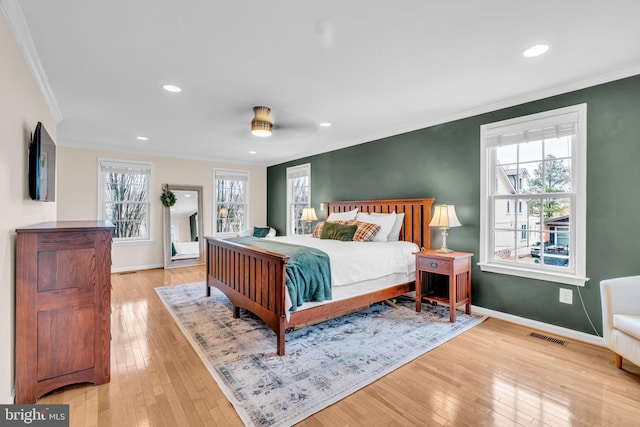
pixel 63 306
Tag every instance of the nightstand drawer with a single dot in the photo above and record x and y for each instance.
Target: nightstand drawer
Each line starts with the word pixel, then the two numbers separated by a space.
pixel 434 265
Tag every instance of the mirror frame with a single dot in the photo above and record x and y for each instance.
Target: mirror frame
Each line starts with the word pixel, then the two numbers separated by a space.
pixel 168 262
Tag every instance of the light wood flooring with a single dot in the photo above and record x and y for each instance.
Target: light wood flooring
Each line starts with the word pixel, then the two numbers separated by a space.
pixel 493 374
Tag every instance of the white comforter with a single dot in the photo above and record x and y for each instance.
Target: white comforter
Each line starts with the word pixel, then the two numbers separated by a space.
pixel 354 262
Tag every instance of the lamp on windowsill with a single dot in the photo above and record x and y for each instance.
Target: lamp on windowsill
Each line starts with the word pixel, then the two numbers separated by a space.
pixel 444 217
pixel 309 215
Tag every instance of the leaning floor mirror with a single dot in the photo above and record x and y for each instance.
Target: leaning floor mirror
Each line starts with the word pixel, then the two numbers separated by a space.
pixel 183 227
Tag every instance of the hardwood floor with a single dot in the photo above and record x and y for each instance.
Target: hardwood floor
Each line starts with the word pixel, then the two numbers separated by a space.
pixel 493 374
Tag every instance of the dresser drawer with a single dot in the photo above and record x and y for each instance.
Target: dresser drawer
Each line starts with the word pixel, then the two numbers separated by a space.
pixel 435 265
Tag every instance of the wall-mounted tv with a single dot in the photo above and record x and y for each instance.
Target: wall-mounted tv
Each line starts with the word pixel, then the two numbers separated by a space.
pixel 42 166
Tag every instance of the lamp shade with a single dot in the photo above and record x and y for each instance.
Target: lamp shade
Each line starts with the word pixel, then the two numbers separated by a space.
pixel 309 214
pixel 444 216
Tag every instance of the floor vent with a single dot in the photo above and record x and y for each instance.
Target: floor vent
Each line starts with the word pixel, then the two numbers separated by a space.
pixel 550 339
pixel 128 272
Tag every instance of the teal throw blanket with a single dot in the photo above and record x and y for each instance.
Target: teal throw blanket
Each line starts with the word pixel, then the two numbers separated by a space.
pixel 308 271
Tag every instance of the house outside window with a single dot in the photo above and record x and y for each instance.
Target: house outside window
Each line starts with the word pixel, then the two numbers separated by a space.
pixel 539 162
pixel 231 204
pixel 123 198
pixel 298 198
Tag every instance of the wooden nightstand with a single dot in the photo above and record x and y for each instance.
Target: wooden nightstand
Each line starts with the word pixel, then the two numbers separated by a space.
pixel 431 266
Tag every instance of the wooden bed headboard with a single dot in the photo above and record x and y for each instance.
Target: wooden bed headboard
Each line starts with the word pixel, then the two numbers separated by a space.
pixel 417 215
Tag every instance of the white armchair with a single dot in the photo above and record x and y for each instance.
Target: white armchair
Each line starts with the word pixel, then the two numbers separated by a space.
pixel 621 317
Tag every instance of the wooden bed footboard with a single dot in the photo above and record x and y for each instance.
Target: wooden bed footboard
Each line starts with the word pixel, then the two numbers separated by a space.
pixel 254 279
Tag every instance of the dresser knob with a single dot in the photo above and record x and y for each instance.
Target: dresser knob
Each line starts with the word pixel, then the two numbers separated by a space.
pixel 434 265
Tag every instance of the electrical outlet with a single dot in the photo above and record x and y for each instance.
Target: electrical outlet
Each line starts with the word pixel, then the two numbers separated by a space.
pixel 322 206
pixel 566 296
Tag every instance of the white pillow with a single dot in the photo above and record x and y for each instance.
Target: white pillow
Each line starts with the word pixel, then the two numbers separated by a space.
pixel 344 216
pixel 385 221
pixel 394 234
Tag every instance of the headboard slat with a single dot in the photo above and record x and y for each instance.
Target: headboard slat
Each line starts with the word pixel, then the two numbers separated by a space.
pixel 416 221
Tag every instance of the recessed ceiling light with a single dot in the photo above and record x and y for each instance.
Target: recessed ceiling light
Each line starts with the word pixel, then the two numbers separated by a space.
pixel 187 195
pixel 253 152
pixel 536 50
pixel 325 124
pixel 142 138
pixel 171 88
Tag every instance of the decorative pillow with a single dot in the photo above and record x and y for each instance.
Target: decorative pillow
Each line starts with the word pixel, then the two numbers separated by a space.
pixel 394 234
pixel 385 221
pixel 335 231
pixel 365 232
pixel 317 231
pixel 345 216
pixel 173 249
pixel 261 231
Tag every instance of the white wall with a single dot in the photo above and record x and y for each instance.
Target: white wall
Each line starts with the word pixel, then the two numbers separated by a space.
pixel 78 196
pixel 22 106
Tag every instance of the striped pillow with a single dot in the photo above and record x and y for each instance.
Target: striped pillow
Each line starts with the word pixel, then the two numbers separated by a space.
pixel 365 232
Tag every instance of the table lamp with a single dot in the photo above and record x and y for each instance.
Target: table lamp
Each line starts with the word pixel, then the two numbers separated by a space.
pixel 309 214
pixel 444 217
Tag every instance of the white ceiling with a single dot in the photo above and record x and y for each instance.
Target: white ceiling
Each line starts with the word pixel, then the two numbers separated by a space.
pixel 371 68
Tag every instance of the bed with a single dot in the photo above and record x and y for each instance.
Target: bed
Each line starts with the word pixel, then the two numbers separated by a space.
pixel 254 279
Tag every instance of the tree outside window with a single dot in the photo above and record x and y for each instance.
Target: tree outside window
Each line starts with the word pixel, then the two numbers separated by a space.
pixel 231 201
pixel 125 198
pixel 298 197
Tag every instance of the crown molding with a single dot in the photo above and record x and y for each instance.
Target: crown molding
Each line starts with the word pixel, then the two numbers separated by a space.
pixel 20 30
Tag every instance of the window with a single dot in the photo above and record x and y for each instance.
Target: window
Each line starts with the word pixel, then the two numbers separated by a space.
pixel 539 162
pixel 298 197
pixel 231 201
pixel 123 198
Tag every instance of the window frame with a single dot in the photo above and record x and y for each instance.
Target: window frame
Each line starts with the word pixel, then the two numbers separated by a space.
pixel 576 275
pixel 102 201
pixel 219 172
pixel 293 172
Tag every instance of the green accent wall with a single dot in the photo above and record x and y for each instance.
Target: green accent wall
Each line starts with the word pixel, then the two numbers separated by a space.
pixel 443 161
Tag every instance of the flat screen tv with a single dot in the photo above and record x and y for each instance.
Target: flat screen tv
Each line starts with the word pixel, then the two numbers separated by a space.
pixel 42 166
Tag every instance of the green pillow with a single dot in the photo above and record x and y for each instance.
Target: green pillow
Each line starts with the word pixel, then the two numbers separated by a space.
pixel 334 231
pixel 173 249
pixel 260 231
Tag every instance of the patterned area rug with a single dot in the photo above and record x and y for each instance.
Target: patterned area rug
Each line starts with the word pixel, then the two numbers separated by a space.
pixel 324 362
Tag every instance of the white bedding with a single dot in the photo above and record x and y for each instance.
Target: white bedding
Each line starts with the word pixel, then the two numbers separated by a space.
pixel 383 264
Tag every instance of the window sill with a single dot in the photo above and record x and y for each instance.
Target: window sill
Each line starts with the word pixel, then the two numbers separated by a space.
pixel 132 242
pixel 535 274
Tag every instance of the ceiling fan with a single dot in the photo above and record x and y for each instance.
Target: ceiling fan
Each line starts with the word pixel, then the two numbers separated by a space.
pixel 263 124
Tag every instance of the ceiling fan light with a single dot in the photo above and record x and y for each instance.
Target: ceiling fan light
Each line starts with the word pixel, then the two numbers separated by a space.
pixel 260 128
pixel 261 125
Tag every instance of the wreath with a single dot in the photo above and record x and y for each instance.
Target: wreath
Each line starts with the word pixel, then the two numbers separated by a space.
pixel 168 199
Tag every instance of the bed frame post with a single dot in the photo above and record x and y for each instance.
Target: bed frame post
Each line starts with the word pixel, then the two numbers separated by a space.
pixel 280 338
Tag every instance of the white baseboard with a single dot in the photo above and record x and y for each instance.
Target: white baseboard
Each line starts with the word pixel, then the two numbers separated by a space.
pixel 135 268
pixel 546 327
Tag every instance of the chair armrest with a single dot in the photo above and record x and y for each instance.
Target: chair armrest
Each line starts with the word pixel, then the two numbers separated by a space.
pixel 619 296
